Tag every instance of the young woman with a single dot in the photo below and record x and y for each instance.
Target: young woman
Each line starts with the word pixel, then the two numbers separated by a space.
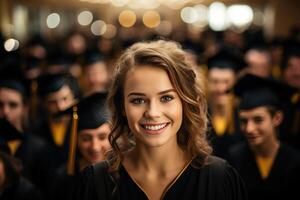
pixel 158 138
pixel 270 168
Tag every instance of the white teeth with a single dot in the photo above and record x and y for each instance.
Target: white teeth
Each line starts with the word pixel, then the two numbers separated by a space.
pixel 155 127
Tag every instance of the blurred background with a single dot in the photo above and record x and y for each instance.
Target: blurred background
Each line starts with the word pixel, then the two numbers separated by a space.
pixel 54 53
pixel 110 19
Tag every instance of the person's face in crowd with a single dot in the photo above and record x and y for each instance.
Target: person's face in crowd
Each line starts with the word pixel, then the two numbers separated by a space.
pixel 12 107
pixel 76 44
pixel 258 125
pixel 93 143
pixel 259 63
pixel 96 77
pixel 152 107
pixel 2 174
pixel 291 73
pixel 219 82
pixel 59 100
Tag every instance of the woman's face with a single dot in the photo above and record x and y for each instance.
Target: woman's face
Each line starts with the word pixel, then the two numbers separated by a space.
pixel 93 143
pixel 152 106
pixel 258 125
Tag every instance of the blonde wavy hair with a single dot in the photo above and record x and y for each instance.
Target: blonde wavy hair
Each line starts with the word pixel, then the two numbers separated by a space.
pixel 169 56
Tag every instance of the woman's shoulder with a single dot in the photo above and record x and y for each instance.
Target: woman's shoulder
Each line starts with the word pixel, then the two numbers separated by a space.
pixel 96 176
pixel 215 165
pixel 219 176
pixel 91 174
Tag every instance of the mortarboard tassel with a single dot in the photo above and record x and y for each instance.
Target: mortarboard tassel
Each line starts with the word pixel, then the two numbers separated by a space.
pixel 73 143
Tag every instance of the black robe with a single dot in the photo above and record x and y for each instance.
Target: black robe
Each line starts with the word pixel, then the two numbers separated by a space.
pixel 222 143
pixel 63 186
pixel 21 189
pixel 283 179
pixel 290 127
pixel 214 181
pixel 56 155
pixel 32 153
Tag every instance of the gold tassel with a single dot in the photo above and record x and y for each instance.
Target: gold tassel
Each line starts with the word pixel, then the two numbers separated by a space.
pixel 73 143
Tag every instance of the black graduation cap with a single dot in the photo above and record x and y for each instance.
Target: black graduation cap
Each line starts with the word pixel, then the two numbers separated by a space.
pixel 60 59
pixel 31 62
pixel 8 132
pixel 14 80
pixel 49 83
pixel 255 91
pixel 292 50
pixel 226 59
pixel 91 57
pixel 92 111
pixel 89 113
pixel 37 40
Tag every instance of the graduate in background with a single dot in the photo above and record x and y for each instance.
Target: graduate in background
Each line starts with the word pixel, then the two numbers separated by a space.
pixel 93 131
pixel 270 168
pixel 95 76
pixel 28 148
pixel 158 138
pixel 291 76
pixel 13 186
pixel 57 93
pixel 223 69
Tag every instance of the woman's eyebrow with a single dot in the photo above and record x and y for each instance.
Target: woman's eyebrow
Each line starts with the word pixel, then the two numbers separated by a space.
pixel 160 93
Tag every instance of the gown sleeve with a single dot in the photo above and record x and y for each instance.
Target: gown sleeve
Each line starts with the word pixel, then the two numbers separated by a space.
pixel 225 182
pixel 97 184
pixel 86 188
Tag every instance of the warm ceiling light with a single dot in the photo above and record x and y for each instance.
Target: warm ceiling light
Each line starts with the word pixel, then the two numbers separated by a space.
pixel 127 18
pixel 151 19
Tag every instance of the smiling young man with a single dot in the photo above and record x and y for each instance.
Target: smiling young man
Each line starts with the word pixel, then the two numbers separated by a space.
pixel 269 167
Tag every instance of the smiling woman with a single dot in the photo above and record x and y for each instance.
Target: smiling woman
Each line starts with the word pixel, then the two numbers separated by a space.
pixel 158 138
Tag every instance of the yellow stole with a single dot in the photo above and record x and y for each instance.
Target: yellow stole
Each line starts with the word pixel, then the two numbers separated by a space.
pixel 219 124
pixel 13 145
pixel 58 131
pixel 264 166
pixel 225 123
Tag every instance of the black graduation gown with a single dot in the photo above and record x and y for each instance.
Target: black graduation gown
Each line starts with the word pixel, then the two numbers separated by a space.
pixel 56 155
pixel 214 181
pixel 290 127
pixel 31 152
pixel 21 189
pixel 64 185
pixel 283 179
pixel 222 143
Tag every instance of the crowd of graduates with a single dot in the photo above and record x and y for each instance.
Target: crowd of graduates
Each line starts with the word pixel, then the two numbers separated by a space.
pixel 253 92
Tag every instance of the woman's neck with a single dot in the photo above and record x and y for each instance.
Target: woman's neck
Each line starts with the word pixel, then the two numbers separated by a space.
pixel 158 160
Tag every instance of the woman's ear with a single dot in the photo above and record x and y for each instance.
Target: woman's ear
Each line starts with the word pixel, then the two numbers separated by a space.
pixel 277 119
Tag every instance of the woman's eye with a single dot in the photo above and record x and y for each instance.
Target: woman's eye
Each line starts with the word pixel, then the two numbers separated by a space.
pixel 137 101
pixel 166 98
